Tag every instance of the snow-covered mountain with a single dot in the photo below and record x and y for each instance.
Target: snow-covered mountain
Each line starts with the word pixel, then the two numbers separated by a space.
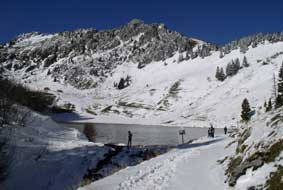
pixel 168 78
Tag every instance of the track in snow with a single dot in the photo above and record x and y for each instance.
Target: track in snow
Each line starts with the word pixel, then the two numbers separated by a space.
pixel 189 167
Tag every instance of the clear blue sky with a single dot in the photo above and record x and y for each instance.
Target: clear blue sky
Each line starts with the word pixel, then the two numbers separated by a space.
pixel 211 20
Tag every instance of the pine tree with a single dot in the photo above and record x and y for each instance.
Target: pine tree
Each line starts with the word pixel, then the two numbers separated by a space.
pixel 233 67
pixel 222 74
pixel 217 74
pixel 274 88
pixel 245 62
pixel 279 98
pixel 246 111
pixel 269 105
pixel 237 65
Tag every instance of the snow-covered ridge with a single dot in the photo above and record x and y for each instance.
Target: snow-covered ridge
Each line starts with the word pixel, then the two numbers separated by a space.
pixel 171 77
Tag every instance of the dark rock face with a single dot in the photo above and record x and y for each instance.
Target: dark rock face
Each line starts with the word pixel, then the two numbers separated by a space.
pixel 240 170
pixel 85 57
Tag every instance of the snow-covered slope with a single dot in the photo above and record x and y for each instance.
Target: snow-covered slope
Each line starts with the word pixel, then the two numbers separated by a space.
pixel 172 77
pixel 199 97
pixel 257 161
pixel 183 168
pixel 44 155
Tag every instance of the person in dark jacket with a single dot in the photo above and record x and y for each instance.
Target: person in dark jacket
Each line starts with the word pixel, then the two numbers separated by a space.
pixel 211 130
pixel 225 130
pixel 130 136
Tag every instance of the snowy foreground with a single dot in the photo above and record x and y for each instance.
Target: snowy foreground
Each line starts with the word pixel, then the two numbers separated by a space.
pixel 47 156
pixel 50 157
pixel 193 166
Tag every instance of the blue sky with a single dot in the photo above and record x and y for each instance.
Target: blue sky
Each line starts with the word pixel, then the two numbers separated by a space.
pixel 211 20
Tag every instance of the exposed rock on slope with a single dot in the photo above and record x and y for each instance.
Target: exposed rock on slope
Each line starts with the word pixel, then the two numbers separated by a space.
pixel 257 163
pixel 84 57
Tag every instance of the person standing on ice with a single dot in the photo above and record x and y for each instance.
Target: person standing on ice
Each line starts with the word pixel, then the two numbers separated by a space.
pixel 130 136
pixel 225 130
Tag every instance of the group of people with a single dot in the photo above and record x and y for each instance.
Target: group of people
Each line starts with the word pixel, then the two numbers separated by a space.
pixel 211 131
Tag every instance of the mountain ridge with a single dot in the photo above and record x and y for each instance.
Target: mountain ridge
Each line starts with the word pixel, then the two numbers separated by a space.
pixel 167 78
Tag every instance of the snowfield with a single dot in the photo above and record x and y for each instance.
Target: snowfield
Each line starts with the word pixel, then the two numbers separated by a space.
pixel 199 99
pixel 171 92
pixel 193 166
pixel 47 156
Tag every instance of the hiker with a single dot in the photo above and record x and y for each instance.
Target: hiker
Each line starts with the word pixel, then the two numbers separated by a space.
pixel 225 130
pixel 209 132
pixel 212 130
pixel 130 135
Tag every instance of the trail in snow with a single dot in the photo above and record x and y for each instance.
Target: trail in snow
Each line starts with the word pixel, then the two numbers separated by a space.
pixel 188 167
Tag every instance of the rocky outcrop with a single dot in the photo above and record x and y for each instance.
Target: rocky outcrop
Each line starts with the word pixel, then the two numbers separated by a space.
pixel 85 57
pixel 259 144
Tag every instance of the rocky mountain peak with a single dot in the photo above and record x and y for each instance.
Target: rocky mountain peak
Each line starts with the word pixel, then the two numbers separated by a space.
pixel 136 21
pixel 85 57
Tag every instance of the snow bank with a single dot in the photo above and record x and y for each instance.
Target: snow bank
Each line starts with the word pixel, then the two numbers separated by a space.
pixel 47 156
pixel 259 152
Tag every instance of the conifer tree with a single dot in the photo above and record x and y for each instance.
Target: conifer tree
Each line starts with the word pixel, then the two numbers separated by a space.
pixel 246 111
pixel 269 105
pixel 233 67
pixel 237 63
pixel 274 88
pixel 245 62
pixel 279 98
pixel 217 74
pixel 220 75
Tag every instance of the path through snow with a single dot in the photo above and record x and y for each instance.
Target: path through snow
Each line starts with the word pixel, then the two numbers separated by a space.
pixel 188 167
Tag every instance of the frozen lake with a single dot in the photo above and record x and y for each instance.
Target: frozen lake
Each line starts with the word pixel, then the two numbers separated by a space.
pixel 142 134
